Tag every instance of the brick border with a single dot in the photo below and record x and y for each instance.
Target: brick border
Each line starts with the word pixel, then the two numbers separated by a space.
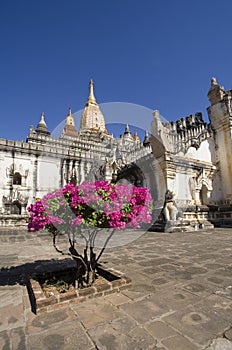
pixel 43 303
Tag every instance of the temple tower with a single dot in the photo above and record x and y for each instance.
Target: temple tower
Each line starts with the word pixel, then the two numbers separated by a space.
pixel 220 115
pixel 42 126
pixel 92 117
pixel 70 129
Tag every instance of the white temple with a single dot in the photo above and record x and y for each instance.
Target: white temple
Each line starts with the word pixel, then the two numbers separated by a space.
pixel 189 157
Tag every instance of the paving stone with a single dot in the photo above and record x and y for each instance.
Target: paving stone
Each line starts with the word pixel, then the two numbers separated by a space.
pixel 142 338
pixel 95 312
pixel 18 339
pixel 72 336
pixel 220 344
pixel 117 299
pixel 122 334
pixel 217 306
pixel 160 330
pixel 199 287
pixel 43 321
pixel 228 334
pixel 199 325
pixel 142 311
pixel 4 341
pixel 11 308
pixel 180 343
pixel 133 295
pixel 174 299
pixel 106 339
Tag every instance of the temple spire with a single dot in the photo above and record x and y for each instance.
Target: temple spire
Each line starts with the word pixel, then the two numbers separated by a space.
pixel 42 121
pixel 146 141
pixel 70 129
pixel 42 126
pixel 127 134
pixel 69 118
pixel 136 137
pixel 91 98
pixel 92 117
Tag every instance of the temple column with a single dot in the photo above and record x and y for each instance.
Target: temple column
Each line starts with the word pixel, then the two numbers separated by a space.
pixel 197 197
pixel 77 168
pixel 82 173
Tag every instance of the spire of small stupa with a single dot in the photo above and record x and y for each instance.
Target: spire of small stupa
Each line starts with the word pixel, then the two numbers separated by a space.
pixel 127 134
pixel 127 130
pixel 146 141
pixel 69 118
pixel 136 137
pixel 70 129
pixel 42 126
pixel 91 97
pixel 42 121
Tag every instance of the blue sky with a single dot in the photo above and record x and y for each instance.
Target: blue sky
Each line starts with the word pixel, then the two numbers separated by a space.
pixel 155 53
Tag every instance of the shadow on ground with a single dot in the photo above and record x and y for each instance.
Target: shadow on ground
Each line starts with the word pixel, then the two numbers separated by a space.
pixel 21 274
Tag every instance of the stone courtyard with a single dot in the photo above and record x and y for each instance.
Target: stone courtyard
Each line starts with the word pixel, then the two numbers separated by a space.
pixel 180 297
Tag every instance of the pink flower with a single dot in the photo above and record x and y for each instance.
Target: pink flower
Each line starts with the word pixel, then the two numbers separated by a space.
pixel 97 203
pixel 77 221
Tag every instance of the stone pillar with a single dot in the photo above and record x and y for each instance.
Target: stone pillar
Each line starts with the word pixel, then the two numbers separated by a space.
pixel 67 170
pixel 82 174
pixel 87 169
pixel 35 177
pixel 23 209
pixel 61 181
pixel 23 180
pixel 197 197
pixel 77 168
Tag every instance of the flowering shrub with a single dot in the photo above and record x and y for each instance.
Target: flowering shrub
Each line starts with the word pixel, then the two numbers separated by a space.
pixel 99 204
pixel 90 207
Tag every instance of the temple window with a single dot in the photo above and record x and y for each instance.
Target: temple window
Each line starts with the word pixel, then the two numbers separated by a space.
pixel 17 179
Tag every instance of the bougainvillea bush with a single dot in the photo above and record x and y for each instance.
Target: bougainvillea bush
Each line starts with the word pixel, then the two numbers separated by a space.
pixel 85 210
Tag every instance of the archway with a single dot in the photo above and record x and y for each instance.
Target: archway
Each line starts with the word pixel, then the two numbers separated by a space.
pixel 132 174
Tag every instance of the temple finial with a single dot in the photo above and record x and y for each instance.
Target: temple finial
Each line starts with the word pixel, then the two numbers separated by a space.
pixel 127 134
pixel 91 92
pixel 42 126
pixel 146 141
pixel 127 130
pixel 136 137
pixel 69 118
pixel 42 118
pixel 213 81
pixel 70 129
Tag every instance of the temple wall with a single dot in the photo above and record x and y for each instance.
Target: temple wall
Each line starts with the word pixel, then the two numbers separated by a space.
pixel 205 153
pixel 48 176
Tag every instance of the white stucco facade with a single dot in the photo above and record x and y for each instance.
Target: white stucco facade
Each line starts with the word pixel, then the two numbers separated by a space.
pixel 189 157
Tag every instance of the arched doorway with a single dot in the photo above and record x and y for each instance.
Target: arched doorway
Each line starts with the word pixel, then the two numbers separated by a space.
pixel 132 174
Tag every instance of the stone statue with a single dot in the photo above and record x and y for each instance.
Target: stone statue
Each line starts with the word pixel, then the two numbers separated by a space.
pixel 170 210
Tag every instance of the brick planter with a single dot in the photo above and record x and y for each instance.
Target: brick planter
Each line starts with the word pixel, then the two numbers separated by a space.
pixel 115 282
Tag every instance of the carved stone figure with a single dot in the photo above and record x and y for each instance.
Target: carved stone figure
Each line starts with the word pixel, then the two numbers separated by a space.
pixel 170 210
